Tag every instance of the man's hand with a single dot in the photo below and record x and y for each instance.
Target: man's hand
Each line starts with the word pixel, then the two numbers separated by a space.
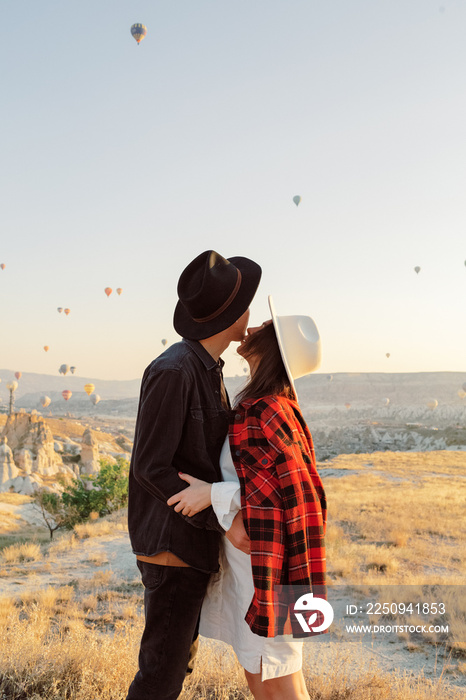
pixel 238 535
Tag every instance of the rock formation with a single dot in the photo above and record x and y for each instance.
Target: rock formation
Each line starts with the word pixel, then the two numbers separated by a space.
pixel 8 469
pixel 30 433
pixel 89 453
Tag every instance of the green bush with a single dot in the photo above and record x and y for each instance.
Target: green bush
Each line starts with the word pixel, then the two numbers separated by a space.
pixel 103 493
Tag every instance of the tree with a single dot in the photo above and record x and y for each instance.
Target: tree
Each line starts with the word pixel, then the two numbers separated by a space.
pixel 56 513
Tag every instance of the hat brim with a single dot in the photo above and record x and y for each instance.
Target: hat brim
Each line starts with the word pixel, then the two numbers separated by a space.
pixel 278 333
pixel 250 277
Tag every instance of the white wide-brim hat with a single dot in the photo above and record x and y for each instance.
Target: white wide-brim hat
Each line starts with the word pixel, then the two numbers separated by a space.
pixel 299 343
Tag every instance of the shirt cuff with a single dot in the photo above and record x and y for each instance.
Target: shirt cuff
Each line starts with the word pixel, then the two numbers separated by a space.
pixel 226 501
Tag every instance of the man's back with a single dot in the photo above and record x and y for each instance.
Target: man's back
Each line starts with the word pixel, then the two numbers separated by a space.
pixel 181 426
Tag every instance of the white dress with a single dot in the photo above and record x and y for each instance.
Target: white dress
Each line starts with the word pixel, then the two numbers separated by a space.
pixel 230 592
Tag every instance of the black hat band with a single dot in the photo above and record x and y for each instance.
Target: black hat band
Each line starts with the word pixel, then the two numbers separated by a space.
pixel 226 304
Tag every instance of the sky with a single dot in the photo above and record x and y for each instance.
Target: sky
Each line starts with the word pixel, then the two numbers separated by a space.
pixel 120 163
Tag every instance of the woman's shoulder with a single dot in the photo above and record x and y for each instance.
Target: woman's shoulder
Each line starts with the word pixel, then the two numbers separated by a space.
pixel 269 406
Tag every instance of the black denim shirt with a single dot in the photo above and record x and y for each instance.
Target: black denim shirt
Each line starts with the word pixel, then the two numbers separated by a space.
pixel 181 426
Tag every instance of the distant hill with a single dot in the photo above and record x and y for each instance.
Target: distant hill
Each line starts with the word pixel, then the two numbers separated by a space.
pixel 372 387
pixel 317 391
pixel 37 384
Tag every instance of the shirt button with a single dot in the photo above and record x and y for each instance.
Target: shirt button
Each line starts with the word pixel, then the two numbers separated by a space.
pixel 264 461
pixel 238 416
pixel 237 453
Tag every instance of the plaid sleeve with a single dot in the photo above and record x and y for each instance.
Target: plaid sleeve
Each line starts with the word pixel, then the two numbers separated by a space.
pixel 283 507
pixel 301 490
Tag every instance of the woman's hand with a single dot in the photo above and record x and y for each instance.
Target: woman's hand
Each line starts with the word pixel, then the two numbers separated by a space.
pixel 193 499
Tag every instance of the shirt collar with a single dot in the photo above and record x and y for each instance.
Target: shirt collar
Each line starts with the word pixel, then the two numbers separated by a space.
pixel 203 355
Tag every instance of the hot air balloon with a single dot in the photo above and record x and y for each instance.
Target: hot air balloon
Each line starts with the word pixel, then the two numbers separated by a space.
pixel 95 398
pixel 464 387
pixel 63 369
pixel 89 388
pixel 18 375
pixel 330 377
pixel 139 31
pixel 347 405
pixel 164 341
pixel 461 393
pixel 60 309
pixel 417 269
pixel 45 401
pixel 385 402
pixel 67 394
pixel 3 266
pixel 296 199
pixel 46 348
pixel 12 386
pixel 67 311
pixel 108 291
pixel 119 291
pixel 387 354
pixel 72 370
pixel 432 404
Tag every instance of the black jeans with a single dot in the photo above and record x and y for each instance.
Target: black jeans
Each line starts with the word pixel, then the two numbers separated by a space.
pixel 173 598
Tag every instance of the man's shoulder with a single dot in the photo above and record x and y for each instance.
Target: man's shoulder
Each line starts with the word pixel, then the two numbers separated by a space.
pixel 179 357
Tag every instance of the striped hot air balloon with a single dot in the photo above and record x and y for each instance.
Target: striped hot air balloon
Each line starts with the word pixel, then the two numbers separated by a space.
pixel 119 290
pixel 138 31
pixel 89 388
pixel 67 311
pixel 67 394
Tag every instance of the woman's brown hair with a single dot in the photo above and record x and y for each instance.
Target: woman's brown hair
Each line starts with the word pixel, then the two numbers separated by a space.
pixel 269 377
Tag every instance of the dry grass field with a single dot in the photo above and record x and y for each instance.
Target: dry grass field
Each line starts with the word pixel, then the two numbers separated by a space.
pixel 399 514
pixel 71 632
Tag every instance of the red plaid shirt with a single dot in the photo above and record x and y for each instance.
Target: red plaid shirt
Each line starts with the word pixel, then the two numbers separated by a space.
pixel 283 505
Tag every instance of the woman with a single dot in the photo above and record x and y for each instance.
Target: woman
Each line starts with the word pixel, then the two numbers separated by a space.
pixel 268 467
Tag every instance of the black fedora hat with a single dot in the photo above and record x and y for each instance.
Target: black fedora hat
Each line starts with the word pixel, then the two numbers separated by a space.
pixel 213 293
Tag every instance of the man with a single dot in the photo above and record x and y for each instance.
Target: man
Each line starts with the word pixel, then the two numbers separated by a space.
pixel 181 426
